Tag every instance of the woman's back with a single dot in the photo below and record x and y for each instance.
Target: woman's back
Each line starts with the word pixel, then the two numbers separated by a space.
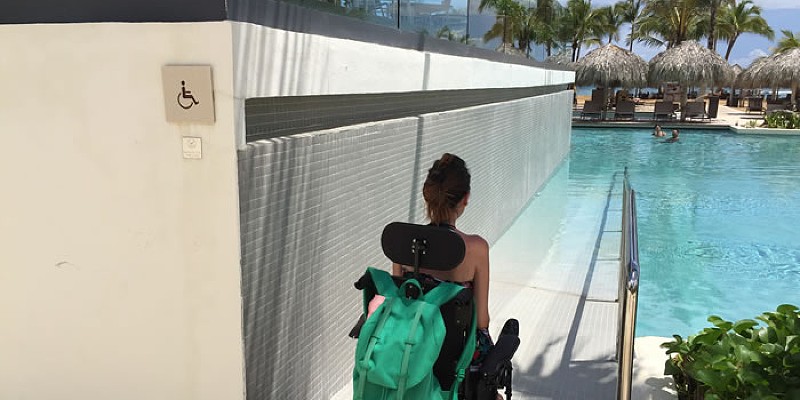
pixel 446 192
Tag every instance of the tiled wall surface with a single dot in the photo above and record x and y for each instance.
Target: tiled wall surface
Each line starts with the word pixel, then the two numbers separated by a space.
pixel 313 207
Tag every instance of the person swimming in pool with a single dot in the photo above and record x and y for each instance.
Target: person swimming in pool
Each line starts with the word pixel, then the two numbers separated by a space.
pixel 658 132
pixel 675 136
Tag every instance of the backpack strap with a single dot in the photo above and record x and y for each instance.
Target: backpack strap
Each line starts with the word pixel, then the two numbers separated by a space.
pixel 466 355
pixel 410 342
pixel 443 293
pixel 384 283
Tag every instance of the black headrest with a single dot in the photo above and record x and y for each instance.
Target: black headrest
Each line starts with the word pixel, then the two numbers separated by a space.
pixel 443 248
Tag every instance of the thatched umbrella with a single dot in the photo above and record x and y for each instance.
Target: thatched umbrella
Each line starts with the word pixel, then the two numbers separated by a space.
pixel 562 58
pixel 735 71
pixel 783 70
pixel 611 66
pixel 733 74
pixel 752 77
pixel 690 64
pixel 508 48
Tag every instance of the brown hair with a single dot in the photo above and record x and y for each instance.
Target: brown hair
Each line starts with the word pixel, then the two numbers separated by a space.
pixel 446 185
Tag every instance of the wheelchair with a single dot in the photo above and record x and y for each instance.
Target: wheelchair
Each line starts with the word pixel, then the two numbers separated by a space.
pixel 440 248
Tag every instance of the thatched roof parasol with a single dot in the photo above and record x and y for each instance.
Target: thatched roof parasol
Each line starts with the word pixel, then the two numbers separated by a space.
pixel 508 48
pixel 735 71
pixel 689 63
pixel 562 58
pixel 611 66
pixel 783 70
pixel 752 76
pixel 777 70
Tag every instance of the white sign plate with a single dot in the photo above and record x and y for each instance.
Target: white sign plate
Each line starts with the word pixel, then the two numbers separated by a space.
pixel 188 93
pixel 192 147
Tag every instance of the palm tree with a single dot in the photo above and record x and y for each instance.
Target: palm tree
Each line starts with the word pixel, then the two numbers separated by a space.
pixel 632 10
pixel 713 7
pixel 744 17
pixel 788 41
pixel 580 25
pixel 544 24
pixel 506 10
pixel 611 19
pixel 670 22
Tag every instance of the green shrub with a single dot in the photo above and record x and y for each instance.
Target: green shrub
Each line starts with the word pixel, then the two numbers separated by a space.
pixel 783 119
pixel 739 360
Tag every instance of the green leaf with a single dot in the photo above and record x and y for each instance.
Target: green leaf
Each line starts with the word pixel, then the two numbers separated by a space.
pixel 720 323
pixel 788 309
pixel 743 325
pixel 792 342
pixel 767 334
pixel 771 348
pixel 710 378
pixel 671 369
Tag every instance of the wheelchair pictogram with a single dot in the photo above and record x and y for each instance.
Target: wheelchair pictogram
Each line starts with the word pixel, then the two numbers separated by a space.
pixel 186 95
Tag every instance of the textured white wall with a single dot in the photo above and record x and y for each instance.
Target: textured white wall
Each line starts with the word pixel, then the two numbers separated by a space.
pixel 119 260
pixel 314 205
pixel 313 208
pixel 511 149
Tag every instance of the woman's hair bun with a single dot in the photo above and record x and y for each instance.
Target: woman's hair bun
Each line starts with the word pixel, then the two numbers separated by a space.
pixel 447 183
pixel 436 174
pixel 446 160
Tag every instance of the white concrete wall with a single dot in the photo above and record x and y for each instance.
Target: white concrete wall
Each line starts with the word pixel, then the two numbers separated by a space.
pixel 271 62
pixel 119 259
pixel 314 205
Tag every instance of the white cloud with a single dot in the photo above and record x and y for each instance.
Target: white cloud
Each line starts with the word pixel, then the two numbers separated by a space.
pixel 777 4
pixel 745 61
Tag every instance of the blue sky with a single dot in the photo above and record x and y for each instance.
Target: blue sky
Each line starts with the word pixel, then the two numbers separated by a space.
pixel 780 14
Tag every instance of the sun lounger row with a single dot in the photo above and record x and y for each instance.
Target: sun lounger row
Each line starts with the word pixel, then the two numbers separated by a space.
pixel 663 110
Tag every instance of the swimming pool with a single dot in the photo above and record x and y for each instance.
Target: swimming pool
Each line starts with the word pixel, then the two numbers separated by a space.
pixel 719 220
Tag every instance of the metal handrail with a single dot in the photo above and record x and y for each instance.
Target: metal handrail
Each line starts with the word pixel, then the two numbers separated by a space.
pixel 628 290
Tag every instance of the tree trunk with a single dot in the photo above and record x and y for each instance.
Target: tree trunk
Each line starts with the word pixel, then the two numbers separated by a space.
pixel 630 46
pixel 731 42
pixel 712 36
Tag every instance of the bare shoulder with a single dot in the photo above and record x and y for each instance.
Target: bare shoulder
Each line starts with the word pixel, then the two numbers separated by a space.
pixel 476 243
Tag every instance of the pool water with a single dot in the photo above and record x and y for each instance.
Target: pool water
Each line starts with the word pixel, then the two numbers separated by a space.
pixel 719 221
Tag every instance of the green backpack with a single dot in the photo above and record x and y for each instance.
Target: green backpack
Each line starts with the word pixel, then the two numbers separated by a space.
pixel 400 342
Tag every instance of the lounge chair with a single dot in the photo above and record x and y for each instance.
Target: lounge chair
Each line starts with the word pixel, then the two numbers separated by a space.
pixel 599 96
pixel 591 108
pixel 772 107
pixel 663 110
pixel 755 104
pixel 625 110
pixel 696 110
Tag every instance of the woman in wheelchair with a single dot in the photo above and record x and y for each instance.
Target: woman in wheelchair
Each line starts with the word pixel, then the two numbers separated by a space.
pixel 446 194
pixel 423 258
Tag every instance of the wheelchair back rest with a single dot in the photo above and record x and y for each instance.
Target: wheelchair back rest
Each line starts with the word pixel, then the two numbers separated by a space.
pixel 423 246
